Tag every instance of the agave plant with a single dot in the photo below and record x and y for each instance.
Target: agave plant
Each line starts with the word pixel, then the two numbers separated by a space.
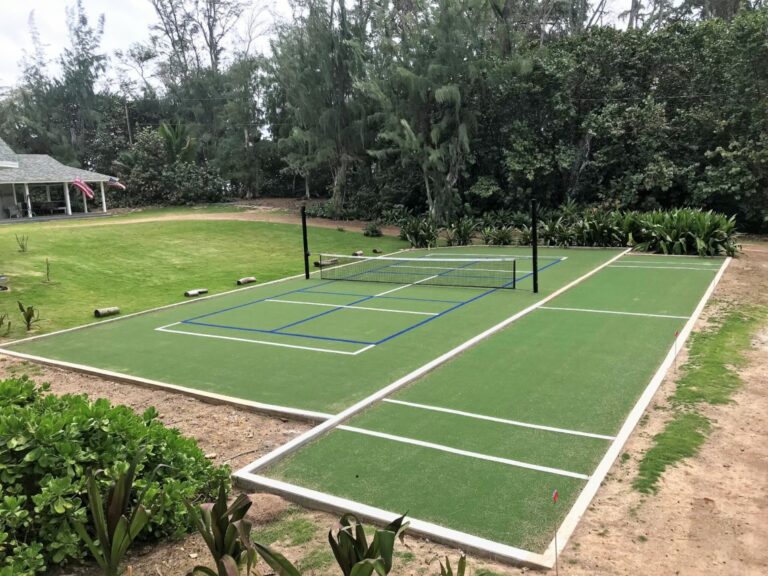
pixel 226 533
pixel 502 236
pixel 447 570
pixel 116 526
pixel 30 315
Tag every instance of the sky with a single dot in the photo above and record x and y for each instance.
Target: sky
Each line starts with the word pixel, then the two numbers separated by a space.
pixel 127 22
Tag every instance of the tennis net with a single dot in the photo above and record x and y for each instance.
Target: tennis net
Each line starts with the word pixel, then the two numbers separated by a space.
pixel 460 272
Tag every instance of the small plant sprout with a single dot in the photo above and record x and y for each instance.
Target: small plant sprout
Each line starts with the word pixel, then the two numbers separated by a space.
pixel 30 315
pixel 5 321
pixel 23 242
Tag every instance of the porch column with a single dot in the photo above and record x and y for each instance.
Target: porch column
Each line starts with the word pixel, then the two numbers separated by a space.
pixel 28 200
pixel 85 204
pixel 103 198
pixel 48 192
pixel 15 200
pixel 67 203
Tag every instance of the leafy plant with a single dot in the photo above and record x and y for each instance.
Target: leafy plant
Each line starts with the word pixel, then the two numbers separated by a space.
pixel 420 232
pixel 48 442
pixel 5 321
pixel 119 523
pixel 22 242
pixel 354 555
pixel 29 314
pixel 226 533
pixel 447 570
pixel 502 236
pixel 462 231
pixel 372 229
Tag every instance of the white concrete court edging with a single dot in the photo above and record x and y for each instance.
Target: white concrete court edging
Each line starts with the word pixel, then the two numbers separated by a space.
pixel 463 540
pixel 584 499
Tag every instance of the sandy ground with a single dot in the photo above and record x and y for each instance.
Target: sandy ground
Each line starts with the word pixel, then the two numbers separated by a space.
pixel 709 516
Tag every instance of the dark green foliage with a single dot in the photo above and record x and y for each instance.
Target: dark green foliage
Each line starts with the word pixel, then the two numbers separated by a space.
pixel 420 232
pixel 47 445
pixel 157 171
pixel 372 229
pixel 354 555
pixel 454 107
pixel 226 533
pixel 117 522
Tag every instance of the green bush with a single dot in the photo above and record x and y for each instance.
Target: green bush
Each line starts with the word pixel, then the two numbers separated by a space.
pixel 372 229
pixel 47 446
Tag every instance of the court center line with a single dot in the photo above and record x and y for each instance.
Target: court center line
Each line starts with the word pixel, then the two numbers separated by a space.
pixel 352 307
pixel 618 313
pixel 249 341
pixel 662 267
pixel 467 453
pixel 498 420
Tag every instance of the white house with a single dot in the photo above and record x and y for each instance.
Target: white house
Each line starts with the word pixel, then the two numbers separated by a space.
pixel 38 185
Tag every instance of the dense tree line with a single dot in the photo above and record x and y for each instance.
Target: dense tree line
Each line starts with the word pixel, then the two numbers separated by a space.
pixel 452 107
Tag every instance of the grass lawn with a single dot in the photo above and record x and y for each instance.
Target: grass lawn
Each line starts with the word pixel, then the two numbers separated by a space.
pixel 144 265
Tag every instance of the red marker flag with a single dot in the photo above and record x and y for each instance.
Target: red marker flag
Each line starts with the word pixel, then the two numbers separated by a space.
pixel 677 333
pixel 555 496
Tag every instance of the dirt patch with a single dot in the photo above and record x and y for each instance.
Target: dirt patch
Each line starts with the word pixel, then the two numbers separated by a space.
pixel 707 518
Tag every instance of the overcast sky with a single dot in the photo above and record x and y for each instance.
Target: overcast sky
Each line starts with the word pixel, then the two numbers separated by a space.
pixel 127 21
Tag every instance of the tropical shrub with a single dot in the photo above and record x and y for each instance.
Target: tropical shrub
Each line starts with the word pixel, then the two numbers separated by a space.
pixel 420 232
pixel 354 555
pixel 226 532
pixel 49 443
pixel 372 229
pixel 502 236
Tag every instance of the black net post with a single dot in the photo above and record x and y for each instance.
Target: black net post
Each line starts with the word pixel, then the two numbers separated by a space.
pixel 306 242
pixel 535 245
pixel 514 273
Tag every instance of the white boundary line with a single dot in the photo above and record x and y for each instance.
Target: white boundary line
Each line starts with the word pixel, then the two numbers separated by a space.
pixel 467 453
pixel 618 313
pixel 498 420
pixel 664 267
pixel 266 342
pixel 326 305
pixel 579 507
pixel 246 474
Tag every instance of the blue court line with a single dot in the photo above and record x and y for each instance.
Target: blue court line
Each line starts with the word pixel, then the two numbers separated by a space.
pixel 311 291
pixel 388 338
pixel 192 323
pixel 444 312
pixel 332 310
pixel 251 302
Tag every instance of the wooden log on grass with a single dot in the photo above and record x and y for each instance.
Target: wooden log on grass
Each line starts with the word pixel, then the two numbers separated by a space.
pixel 324 263
pixel 196 292
pixel 246 280
pixel 357 253
pixel 108 311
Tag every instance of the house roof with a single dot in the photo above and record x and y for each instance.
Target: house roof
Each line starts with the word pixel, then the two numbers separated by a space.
pixel 39 169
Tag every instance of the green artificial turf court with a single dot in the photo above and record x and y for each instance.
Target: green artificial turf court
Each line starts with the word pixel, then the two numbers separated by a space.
pixel 479 444
pixel 314 345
